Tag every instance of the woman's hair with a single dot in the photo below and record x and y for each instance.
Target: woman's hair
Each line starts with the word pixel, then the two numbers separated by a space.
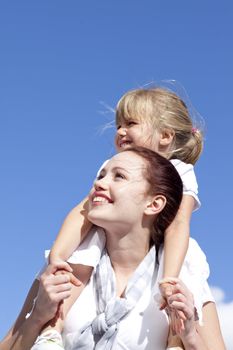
pixel 163 179
pixel 163 109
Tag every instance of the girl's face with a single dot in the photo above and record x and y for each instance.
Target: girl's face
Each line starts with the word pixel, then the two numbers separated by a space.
pixel 120 194
pixel 132 133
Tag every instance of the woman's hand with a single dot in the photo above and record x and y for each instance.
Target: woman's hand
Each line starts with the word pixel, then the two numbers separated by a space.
pixel 181 303
pixel 176 317
pixel 53 289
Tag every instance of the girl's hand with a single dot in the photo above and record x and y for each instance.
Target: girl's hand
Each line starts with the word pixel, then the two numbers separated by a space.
pixel 166 291
pixel 53 289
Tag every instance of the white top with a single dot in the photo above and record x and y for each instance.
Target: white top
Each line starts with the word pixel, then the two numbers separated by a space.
pixel 145 327
pixel 188 177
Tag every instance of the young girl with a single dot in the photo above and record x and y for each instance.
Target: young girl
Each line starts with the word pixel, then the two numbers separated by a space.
pixel 157 119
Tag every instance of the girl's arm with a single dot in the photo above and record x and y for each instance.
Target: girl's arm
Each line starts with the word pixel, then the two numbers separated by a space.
pixel 72 232
pixel 176 242
pixel 177 238
pixel 50 291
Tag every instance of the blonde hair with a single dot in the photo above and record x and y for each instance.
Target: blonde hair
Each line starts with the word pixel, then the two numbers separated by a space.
pixel 163 109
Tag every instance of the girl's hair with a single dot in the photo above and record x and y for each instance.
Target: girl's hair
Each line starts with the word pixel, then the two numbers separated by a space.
pixel 163 109
pixel 163 179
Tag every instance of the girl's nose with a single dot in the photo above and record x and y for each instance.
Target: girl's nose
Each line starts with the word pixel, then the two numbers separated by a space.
pixel 121 131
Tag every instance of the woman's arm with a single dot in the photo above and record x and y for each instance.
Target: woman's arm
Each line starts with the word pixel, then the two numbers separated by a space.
pixel 72 232
pixel 49 292
pixel 24 332
pixel 182 301
pixel 174 342
pixel 210 330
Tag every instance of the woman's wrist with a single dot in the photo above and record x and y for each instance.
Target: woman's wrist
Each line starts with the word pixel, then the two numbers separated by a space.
pixel 37 319
pixel 192 341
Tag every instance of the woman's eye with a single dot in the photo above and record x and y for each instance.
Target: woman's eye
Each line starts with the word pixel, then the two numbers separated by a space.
pixel 119 176
pixel 100 176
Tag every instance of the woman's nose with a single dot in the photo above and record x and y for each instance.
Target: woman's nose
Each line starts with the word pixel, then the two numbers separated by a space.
pixel 100 184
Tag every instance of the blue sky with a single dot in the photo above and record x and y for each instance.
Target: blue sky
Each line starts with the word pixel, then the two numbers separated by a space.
pixel 60 63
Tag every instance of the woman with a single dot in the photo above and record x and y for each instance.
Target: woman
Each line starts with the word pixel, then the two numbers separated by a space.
pixel 135 198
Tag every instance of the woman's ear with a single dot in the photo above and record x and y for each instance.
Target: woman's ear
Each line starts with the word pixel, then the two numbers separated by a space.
pixel 156 205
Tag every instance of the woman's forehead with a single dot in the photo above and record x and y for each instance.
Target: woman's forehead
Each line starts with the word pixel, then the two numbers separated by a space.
pixel 128 160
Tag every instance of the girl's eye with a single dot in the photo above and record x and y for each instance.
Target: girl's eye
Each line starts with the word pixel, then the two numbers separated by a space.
pixel 131 123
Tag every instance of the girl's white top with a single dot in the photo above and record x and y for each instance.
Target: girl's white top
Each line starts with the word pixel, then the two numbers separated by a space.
pixel 187 174
pixel 145 327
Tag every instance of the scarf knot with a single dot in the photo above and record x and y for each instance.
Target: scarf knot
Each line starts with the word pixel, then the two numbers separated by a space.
pixel 100 333
pixel 99 325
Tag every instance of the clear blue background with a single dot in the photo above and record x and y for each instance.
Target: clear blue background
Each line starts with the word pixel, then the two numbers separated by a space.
pixel 60 62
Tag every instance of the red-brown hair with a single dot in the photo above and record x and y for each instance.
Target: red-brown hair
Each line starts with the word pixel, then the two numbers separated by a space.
pixel 163 179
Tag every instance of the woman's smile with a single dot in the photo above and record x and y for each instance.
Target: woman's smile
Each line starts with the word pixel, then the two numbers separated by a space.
pixel 100 198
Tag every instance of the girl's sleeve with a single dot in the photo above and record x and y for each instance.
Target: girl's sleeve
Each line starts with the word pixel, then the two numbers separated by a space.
pixel 88 253
pixel 90 250
pixel 187 174
pixel 194 273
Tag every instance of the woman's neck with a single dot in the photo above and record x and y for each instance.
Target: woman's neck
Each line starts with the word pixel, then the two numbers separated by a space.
pixel 128 250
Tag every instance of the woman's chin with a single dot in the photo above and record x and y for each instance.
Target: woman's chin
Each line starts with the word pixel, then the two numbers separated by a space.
pixel 94 219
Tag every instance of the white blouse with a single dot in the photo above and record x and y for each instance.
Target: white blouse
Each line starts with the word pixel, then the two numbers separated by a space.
pixel 145 327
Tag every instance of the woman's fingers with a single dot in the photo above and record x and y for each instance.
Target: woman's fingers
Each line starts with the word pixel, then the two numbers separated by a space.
pixel 180 307
pixel 176 323
pixel 73 279
pixel 59 265
pixel 186 312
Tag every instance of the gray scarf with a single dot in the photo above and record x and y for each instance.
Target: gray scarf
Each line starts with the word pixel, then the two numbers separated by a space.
pixel 102 331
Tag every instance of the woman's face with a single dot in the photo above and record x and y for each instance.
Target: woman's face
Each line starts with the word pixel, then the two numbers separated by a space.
pixel 120 194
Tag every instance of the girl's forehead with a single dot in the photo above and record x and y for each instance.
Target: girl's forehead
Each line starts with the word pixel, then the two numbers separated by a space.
pixel 124 118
